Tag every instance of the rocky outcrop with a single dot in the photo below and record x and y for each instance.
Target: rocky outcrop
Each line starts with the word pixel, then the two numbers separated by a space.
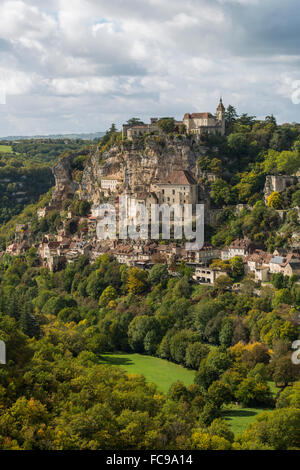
pixel 65 187
pixel 138 165
pixel 279 183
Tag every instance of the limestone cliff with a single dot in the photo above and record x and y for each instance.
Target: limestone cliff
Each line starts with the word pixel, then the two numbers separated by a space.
pixel 138 166
pixel 65 187
pixel 279 183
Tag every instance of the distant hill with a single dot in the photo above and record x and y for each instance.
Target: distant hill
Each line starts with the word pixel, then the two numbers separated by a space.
pixel 95 135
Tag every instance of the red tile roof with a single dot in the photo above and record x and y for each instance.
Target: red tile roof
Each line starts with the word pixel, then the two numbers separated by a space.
pixel 198 116
pixel 179 177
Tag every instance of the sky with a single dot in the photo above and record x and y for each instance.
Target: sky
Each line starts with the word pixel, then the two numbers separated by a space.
pixel 79 65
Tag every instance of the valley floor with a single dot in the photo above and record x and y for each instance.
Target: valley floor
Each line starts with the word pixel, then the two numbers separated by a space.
pixel 163 373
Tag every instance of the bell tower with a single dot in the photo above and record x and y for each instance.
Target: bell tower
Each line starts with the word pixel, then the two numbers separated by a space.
pixel 221 116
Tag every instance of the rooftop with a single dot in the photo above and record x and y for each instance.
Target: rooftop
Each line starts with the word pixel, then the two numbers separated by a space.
pixel 277 260
pixel 198 116
pixel 179 177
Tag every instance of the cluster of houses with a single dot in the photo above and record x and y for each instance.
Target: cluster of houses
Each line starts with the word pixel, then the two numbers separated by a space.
pixel 55 251
pixel 179 187
pixel 261 263
pixel 144 254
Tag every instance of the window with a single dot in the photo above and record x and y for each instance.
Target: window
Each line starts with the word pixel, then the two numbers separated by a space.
pixel 173 192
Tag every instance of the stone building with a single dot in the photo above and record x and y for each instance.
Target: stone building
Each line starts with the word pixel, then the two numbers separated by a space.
pixel 258 264
pixel 276 264
pixel 241 247
pixel 180 187
pixel 203 256
pixel 207 275
pixel 292 268
pixel 199 123
pixel 110 183
pixel 138 130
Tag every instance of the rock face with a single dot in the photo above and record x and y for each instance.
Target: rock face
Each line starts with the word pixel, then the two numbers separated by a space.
pixel 65 187
pixel 279 183
pixel 138 167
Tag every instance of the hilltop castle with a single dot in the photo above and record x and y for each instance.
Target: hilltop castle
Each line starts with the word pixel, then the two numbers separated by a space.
pixel 195 123
pixel 199 123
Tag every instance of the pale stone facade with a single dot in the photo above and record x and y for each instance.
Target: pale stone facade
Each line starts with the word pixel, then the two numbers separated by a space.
pixel 199 123
pixel 207 275
pixel 195 123
pixel 203 256
pixel 179 187
pixel 138 130
pixel 240 247
pixel 110 183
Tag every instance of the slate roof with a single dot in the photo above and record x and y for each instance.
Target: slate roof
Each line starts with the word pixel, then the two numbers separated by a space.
pixel 277 260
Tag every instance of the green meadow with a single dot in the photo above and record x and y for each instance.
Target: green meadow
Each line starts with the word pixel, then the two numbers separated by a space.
pixel 5 149
pixel 164 373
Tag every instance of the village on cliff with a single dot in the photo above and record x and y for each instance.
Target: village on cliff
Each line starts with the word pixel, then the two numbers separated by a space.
pixel 166 177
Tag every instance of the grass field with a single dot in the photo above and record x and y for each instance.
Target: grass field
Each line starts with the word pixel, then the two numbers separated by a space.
pixel 159 371
pixel 164 373
pixel 238 418
pixel 5 149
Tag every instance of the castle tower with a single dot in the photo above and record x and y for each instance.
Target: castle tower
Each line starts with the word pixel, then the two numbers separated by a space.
pixel 221 116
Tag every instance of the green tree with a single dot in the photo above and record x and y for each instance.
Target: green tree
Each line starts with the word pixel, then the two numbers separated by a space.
pixel 159 274
pixel 138 330
pixel 179 343
pixel 226 333
pixel 220 192
pixel 107 295
pixel 195 352
pixel 237 267
pixel 137 281
pixel 277 430
pixel 275 200
pixel 206 375
pixel 166 125
pixel 253 392
pixel 219 393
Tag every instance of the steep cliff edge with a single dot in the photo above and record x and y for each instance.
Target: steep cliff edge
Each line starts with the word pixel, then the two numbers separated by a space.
pixel 137 165
pixel 65 187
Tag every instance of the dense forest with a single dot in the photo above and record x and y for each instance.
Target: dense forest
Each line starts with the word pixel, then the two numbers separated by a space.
pixel 57 392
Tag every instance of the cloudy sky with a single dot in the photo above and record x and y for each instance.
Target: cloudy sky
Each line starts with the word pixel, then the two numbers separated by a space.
pixel 78 65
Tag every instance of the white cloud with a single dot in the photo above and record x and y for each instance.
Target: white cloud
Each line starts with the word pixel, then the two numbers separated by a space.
pixel 76 86
pixel 17 17
pixel 84 63
pixel 14 82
